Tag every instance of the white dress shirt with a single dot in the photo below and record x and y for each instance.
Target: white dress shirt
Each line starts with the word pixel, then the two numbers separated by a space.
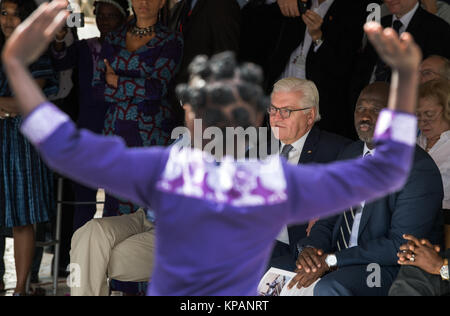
pixel 358 214
pixel 296 66
pixel 293 158
pixel 440 153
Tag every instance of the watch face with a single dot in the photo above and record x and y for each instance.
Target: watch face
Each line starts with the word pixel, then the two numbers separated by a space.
pixel 331 260
pixel 444 272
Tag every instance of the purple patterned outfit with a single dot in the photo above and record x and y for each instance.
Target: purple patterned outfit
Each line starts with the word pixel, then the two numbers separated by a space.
pixel 138 109
pixel 216 224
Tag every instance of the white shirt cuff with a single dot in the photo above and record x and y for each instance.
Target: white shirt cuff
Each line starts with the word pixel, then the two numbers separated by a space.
pixel 42 122
pixel 397 126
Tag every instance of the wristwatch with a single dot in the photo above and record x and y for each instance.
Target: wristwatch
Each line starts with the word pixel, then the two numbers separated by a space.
pixel 331 261
pixel 444 271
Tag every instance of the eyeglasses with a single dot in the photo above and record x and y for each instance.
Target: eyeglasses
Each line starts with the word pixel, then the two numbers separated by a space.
pixel 284 113
pixel 428 116
pixel 429 72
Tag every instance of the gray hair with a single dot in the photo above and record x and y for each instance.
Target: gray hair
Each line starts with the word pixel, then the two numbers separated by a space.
pixel 309 89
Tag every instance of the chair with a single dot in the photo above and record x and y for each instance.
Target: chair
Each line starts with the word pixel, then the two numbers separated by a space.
pixel 56 241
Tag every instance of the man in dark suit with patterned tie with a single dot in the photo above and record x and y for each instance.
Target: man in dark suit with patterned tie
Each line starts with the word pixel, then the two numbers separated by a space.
pixel 430 32
pixel 293 114
pixel 355 253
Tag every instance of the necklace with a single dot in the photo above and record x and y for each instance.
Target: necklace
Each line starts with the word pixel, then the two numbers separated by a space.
pixel 141 32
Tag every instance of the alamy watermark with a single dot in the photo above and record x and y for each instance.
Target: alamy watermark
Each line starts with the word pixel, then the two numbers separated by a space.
pixel 76 17
pixel 235 142
pixel 374 278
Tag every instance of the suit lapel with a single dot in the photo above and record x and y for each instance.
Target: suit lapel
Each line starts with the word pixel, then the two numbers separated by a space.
pixel 366 214
pixel 310 145
pixel 414 26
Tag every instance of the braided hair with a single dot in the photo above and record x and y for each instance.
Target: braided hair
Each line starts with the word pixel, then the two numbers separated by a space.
pixel 223 93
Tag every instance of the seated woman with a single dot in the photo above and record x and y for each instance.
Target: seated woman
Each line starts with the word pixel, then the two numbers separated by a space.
pixel 216 223
pixel 433 113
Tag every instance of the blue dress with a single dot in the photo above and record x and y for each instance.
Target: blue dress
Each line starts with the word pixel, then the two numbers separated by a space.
pixel 26 184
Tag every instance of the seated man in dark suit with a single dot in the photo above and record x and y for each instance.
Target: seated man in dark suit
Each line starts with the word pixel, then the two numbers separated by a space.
pixel 430 32
pixel 343 251
pixel 301 142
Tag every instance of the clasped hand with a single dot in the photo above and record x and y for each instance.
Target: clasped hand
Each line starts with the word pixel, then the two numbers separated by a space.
pixel 311 266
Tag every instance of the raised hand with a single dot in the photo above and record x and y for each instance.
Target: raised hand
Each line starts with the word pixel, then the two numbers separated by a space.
pixel 400 53
pixel 31 38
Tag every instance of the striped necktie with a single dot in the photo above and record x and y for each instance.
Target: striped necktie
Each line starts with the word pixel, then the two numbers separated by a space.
pixel 345 230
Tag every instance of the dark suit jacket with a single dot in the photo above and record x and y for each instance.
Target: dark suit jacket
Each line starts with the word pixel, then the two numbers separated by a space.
pixel 413 210
pixel 320 147
pixel 430 32
pixel 268 39
pixel 213 27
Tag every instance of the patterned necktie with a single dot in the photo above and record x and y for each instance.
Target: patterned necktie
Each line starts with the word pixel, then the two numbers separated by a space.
pixel 286 150
pixel 382 71
pixel 345 230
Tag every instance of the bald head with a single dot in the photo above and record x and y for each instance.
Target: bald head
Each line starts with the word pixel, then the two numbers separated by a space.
pixel 371 101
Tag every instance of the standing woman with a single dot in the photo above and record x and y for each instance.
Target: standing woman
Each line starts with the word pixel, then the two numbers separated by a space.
pixel 26 194
pixel 136 69
pixel 84 55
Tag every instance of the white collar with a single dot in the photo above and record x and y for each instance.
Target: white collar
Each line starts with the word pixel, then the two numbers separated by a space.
pixel 298 144
pixel 367 150
pixel 445 135
pixel 422 140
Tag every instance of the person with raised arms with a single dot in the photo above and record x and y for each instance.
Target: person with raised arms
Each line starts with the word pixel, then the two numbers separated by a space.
pixel 216 222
